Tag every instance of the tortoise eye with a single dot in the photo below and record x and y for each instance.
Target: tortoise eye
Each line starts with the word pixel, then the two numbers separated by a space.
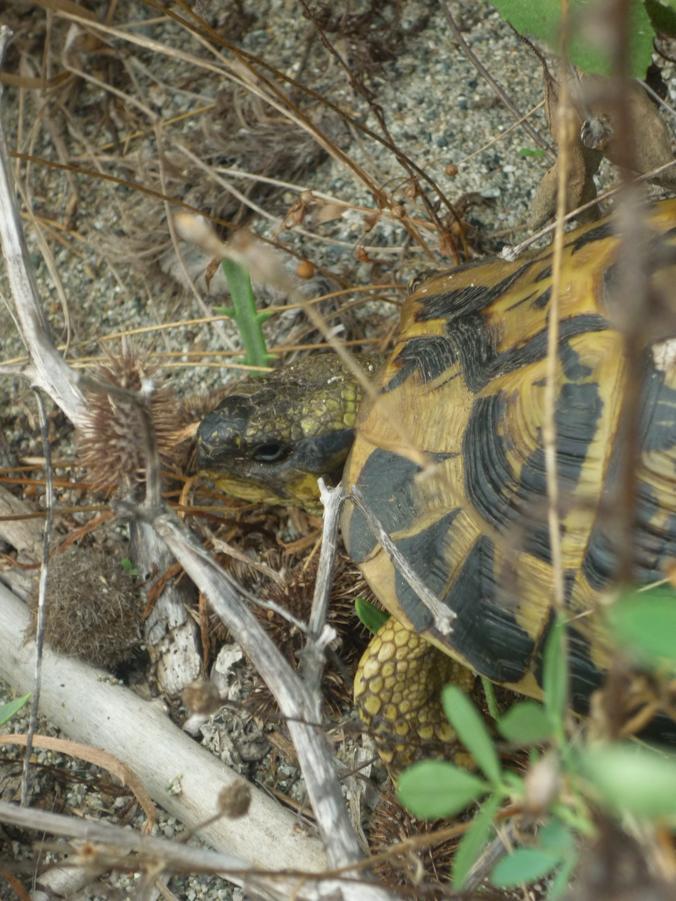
pixel 270 452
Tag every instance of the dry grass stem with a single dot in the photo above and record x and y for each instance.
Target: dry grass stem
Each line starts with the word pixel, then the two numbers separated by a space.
pixel 42 598
pixel 549 437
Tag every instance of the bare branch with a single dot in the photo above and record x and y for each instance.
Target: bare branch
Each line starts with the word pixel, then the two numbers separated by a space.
pixel 564 138
pixel 108 844
pixel 295 701
pixel 49 371
pixel 313 654
pixel 443 615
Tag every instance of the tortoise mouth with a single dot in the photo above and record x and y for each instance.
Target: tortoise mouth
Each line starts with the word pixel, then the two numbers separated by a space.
pixel 272 471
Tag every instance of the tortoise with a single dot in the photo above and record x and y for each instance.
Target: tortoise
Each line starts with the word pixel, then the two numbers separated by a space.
pixel 448 458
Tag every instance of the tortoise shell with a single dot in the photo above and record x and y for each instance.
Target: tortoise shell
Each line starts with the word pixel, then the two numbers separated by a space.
pixel 465 386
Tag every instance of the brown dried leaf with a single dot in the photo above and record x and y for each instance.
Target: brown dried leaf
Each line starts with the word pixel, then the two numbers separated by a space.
pixel 653 143
pixel 328 212
pixel 580 187
pixel 598 135
pixel 596 103
pixel 99 758
pixel 582 165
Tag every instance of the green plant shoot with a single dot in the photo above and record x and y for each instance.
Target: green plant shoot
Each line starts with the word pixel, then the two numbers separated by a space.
pixel 243 311
pixel 369 615
pixel 8 710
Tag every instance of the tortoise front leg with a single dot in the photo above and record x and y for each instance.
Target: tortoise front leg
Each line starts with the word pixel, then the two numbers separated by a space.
pixel 397 692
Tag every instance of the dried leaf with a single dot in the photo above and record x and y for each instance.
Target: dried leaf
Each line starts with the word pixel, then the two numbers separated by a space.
pixel 328 212
pixel 580 187
pixel 653 142
pixel 99 758
pixel 582 165
pixel 595 102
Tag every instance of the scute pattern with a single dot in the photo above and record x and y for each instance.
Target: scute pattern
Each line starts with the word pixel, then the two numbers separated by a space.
pixel 466 385
pixel 492 641
pixel 429 357
pixel 468 298
pixel 389 498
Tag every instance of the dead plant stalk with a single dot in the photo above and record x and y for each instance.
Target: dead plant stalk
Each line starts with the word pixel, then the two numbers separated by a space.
pixel 549 438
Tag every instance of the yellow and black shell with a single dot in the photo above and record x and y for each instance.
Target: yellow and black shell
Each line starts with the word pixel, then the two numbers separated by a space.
pixel 465 386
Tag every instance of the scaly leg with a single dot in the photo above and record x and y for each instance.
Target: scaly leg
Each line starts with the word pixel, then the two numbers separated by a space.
pixel 397 693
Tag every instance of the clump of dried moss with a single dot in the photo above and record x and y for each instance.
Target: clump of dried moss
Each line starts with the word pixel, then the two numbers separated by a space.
pixel 93 606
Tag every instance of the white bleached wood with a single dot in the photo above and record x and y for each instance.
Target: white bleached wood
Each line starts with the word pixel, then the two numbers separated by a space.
pixel 79 700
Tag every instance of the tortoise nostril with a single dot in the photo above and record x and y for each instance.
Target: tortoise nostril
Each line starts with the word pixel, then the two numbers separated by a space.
pixel 213 439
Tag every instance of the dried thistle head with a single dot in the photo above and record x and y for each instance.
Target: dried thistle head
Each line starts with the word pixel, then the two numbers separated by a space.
pixel 93 606
pixel 111 437
pixel 296 597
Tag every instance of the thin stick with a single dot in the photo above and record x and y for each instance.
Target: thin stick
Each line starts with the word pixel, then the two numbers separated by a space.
pixel 501 135
pixel 189 280
pixel 512 253
pixel 443 615
pixel 290 691
pixel 42 599
pixel 319 634
pixel 549 437
pixel 79 700
pixel 290 694
pixel 633 295
pixel 49 370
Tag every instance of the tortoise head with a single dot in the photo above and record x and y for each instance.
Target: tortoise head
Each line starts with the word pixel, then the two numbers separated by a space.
pixel 271 438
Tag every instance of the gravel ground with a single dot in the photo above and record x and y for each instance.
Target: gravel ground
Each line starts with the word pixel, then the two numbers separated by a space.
pixel 440 112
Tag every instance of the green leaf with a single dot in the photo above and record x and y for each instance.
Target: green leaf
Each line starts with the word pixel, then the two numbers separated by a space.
pixel 369 615
pixel 555 677
pixel 471 730
pixel 541 19
pixel 129 566
pixel 433 788
pixel 526 723
pixel 523 866
pixel 561 882
pixel 531 151
pixel 631 779
pixel 644 622
pixel 662 16
pixel 491 700
pixel 474 841
pixel 8 710
pixel 556 838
